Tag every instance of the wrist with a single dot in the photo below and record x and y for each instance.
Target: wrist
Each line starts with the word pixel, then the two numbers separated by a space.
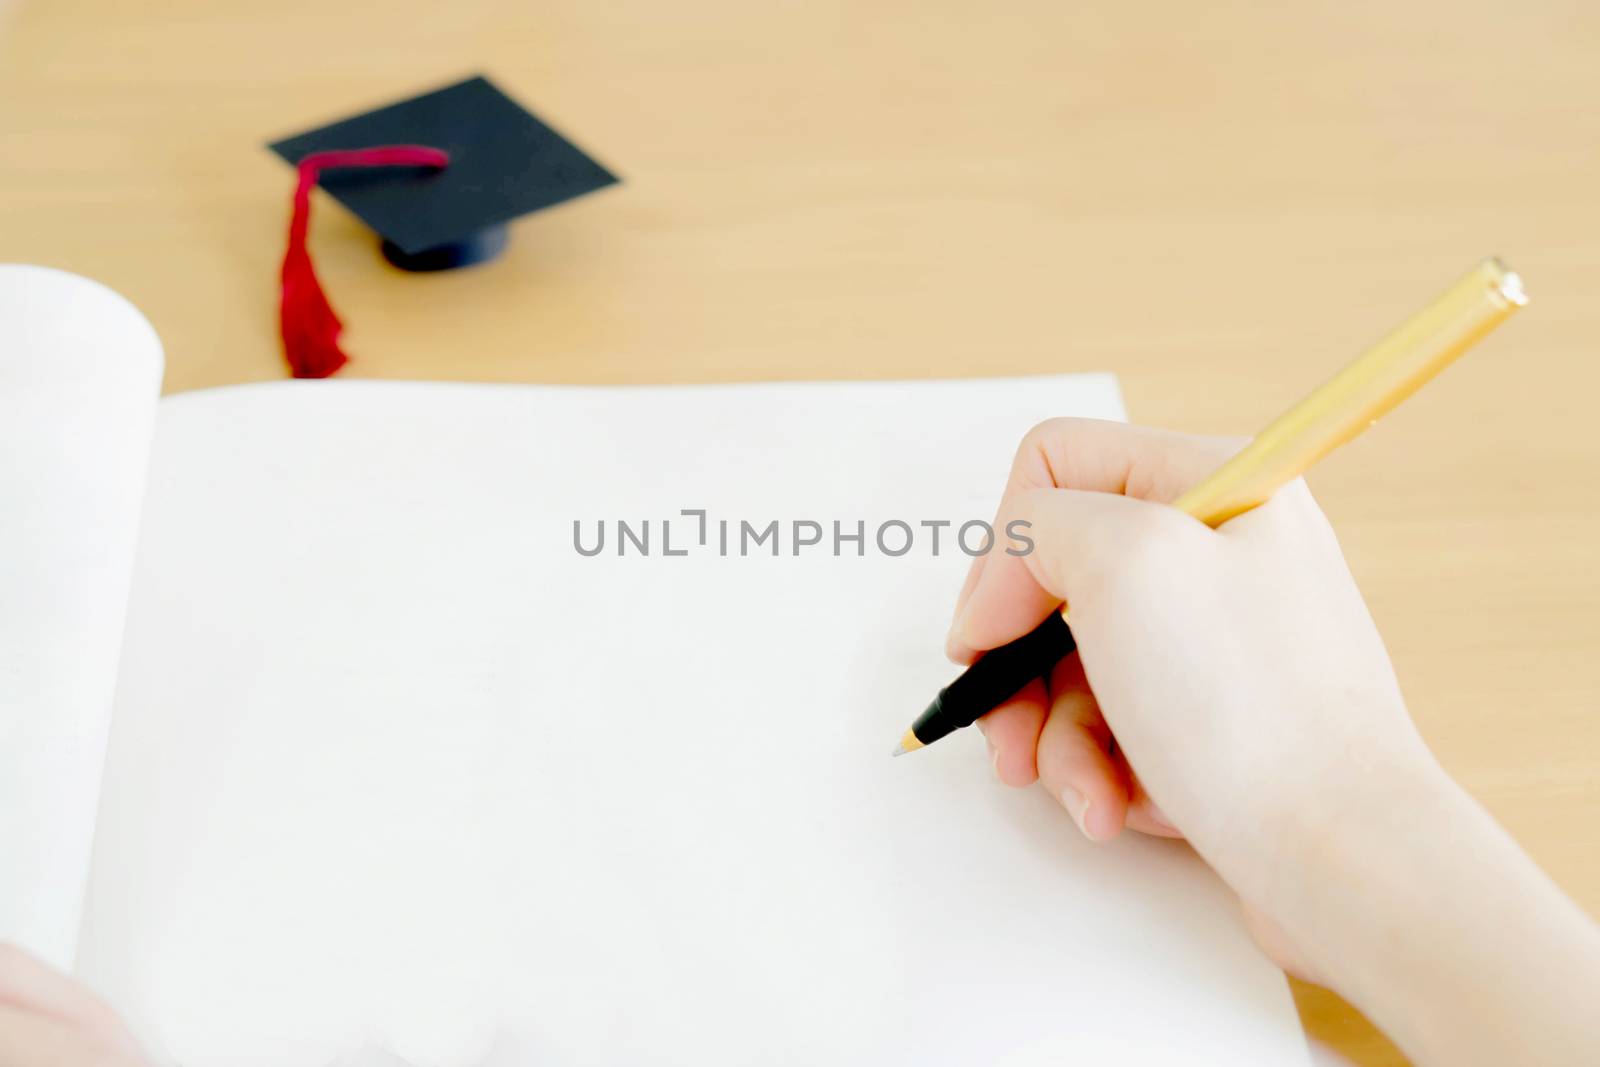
pixel 1357 871
pixel 1343 828
pixel 1415 906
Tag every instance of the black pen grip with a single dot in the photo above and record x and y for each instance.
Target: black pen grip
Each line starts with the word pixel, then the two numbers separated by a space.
pixel 997 676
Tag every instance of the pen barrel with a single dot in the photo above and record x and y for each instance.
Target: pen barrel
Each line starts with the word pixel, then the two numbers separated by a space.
pixel 1360 394
pixel 1351 401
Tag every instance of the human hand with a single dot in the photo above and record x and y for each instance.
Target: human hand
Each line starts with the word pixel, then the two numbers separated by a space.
pixel 1229 685
pixel 48 1020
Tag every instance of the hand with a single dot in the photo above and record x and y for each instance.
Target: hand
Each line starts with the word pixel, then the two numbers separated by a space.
pixel 1230 687
pixel 1229 684
pixel 1237 670
pixel 48 1020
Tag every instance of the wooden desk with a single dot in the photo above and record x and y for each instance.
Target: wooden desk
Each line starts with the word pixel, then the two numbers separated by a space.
pixel 1218 202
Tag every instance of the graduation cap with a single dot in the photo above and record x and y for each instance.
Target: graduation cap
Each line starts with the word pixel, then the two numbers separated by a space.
pixel 439 177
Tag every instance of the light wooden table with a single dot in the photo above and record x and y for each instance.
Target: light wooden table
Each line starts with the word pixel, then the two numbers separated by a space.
pixel 1218 202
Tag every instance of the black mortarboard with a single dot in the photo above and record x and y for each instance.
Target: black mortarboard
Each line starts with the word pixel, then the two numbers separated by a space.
pixel 504 163
pixel 439 177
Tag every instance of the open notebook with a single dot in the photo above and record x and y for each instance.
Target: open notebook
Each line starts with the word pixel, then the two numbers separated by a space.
pixel 395 774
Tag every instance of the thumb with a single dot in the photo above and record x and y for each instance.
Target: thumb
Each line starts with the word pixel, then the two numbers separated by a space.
pixel 1068 543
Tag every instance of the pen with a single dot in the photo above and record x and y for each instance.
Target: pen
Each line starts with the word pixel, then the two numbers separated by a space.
pixel 1341 408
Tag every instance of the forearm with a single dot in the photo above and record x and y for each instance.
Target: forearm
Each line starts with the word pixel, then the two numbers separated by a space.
pixel 1428 916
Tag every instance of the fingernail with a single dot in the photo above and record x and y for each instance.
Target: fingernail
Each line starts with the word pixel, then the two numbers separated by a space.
pixel 994 755
pixel 1077 806
pixel 1159 817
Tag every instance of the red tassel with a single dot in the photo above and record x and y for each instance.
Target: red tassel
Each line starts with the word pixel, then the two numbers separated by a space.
pixel 305 318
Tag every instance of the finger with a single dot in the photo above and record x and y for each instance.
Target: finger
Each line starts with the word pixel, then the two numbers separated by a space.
pixel 28 1039
pixel 1077 538
pixel 1143 813
pixel 1012 731
pixel 1114 457
pixel 28 984
pixel 1089 455
pixel 1005 601
pixel 960 653
pixel 1073 759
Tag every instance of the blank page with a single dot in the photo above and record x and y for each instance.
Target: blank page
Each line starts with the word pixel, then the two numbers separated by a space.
pixel 398 774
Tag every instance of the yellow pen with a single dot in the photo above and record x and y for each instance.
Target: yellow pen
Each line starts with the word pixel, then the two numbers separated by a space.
pixel 1341 408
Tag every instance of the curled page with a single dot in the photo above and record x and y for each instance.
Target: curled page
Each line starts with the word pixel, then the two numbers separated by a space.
pixel 80 371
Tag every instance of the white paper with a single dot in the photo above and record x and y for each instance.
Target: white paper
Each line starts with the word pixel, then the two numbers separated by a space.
pixel 396 772
pixel 80 371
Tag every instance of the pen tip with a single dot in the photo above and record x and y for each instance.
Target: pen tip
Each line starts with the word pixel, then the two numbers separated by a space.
pixel 909 742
